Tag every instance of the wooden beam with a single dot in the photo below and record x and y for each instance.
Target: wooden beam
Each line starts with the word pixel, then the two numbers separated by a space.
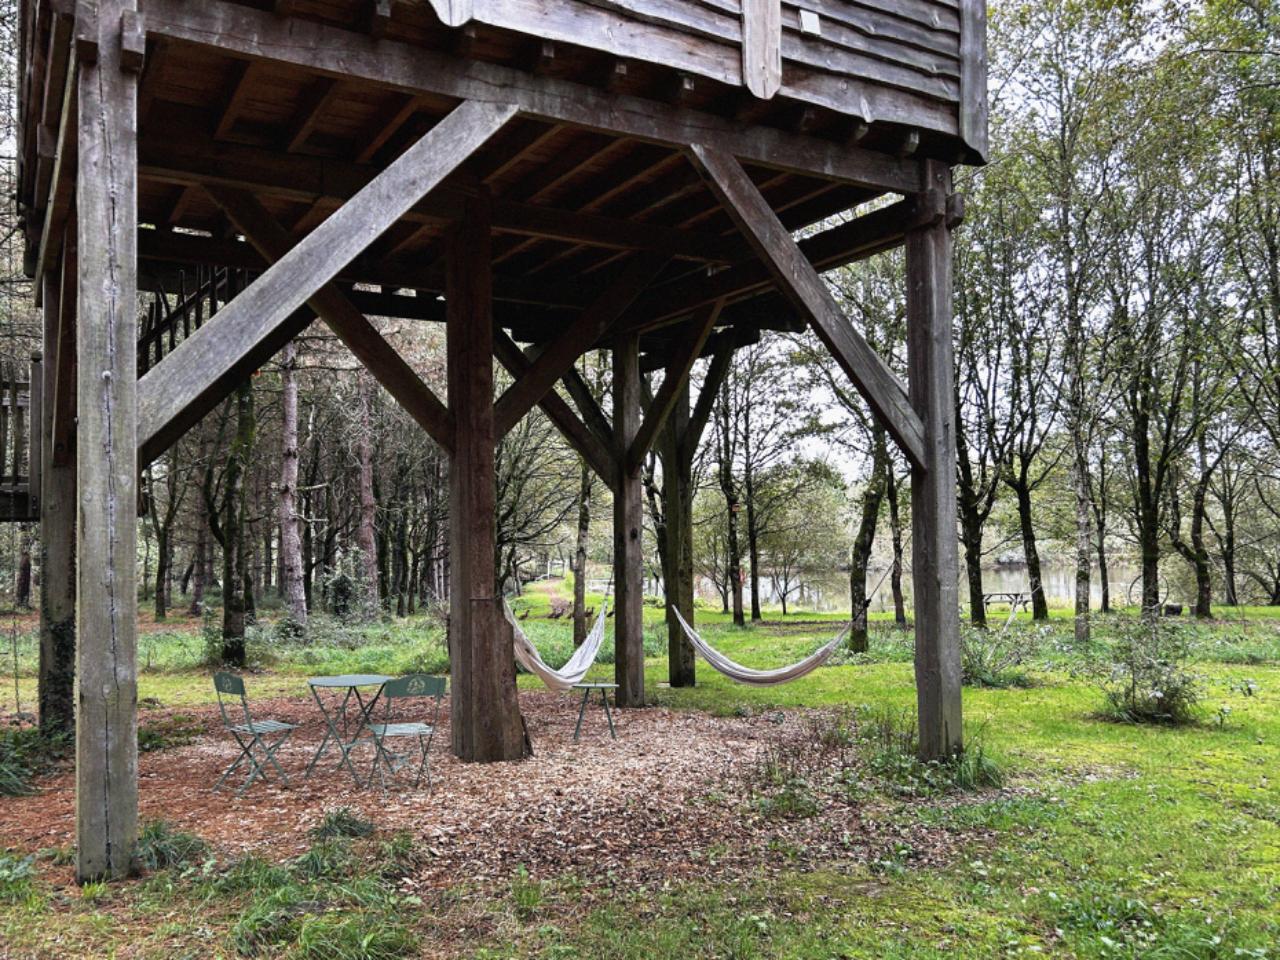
pixel 762 47
pixel 64 405
pixel 677 373
pixel 237 92
pixel 583 333
pixel 106 525
pixel 801 283
pixel 721 361
pixel 344 319
pixel 934 564
pixel 587 405
pixel 187 157
pixel 862 237
pixel 56 687
pixel 314 103
pixel 178 383
pixel 587 442
pixel 62 185
pixel 628 530
pixel 484 714
pixel 257 35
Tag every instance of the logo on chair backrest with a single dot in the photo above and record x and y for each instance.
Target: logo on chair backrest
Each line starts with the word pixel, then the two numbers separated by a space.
pixel 416 686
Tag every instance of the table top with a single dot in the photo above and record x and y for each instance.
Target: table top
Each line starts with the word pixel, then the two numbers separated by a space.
pixel 350 680
pixel 595 686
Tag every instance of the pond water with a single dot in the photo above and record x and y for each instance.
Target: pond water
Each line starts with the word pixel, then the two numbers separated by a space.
pixel 830 592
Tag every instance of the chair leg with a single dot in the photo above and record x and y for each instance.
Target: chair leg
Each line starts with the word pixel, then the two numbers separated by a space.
pixel 244 752
pixel 271 755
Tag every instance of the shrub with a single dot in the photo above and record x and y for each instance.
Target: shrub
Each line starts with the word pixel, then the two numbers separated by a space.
pixel 1144 676
pixel 25 753
pixel 160 846
pixel 16 876
pixel 892 744
pixel 342 822
pixel 326 860
pixel 991 658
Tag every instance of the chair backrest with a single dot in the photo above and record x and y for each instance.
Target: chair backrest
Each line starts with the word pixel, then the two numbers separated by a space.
pixel 229 685
pixel 414 685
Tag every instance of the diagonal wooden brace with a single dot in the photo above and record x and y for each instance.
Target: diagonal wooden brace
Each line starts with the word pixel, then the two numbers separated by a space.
pixel 344 319
pixel 804 287
pixel 592 324
pixel 189 379
pixel 677 371
pixel 597 453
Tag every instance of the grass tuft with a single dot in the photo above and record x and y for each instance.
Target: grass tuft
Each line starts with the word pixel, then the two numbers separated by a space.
pixel 342 822
pixel 160 846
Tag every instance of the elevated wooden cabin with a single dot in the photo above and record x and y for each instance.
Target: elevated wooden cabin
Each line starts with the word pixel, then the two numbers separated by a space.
pixel 544 177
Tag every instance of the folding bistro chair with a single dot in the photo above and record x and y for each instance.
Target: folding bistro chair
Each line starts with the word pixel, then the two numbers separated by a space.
pixel 266 736
pixel 394 695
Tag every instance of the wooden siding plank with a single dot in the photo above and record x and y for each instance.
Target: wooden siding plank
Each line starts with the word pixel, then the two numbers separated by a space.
pixel 973 76
pixel 257 312
pixel 762 47
pixel 802 284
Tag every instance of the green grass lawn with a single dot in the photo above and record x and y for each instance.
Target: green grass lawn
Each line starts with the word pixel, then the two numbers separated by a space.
pixel 1108 840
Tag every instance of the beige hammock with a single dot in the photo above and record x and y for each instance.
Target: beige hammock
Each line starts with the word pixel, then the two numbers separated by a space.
pixel 572 672
pixel 761 678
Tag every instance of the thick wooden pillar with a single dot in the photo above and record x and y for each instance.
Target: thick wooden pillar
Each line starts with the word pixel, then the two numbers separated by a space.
pixel 628 524
pixel 484 713
pixel 677 512
pixel 57 515
pixel 935 569
pixel 106 451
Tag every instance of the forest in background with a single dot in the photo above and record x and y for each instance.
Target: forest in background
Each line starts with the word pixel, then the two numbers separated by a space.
pixel 1117 368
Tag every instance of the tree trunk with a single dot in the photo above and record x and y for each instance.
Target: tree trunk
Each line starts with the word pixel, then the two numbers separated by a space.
pixel 677 509
pixel 895 530
pixel 971 539
pixel 864 540
pixel 366 534
pixel 753 533
pixel 234 553
pixel 1084 547
pixel 1030 549
pixel 162 571
pixel 580 556
pixel 291 569
pixel 733 567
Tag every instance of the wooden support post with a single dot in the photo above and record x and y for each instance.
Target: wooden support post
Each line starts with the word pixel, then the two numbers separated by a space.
pixel 935 570
pixel 485 713
pixel 106 453
pixel 628 525
pixel 677 514
pixel 57 537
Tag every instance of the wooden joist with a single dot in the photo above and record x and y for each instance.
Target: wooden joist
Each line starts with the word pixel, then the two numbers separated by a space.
pixel 802 284
pixel 255 35
pixel 593 324
pixel 190 374
pixel 188 158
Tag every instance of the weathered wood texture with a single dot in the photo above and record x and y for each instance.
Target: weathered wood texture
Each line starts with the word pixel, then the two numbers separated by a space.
pixel 762 46
pixel 344 319
pixel 484 714
pixel 804 287
pixel 388 64
pixel 106 448
pixel 189 378
pixel 57 544
pixel 628 527
pixel 934 561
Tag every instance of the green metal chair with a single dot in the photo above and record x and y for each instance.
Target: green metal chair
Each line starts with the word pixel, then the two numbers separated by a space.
pixel 395 694
pixel 265 736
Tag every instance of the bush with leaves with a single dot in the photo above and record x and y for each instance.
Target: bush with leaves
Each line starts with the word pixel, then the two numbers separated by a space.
pixel 1144 674
pixel 995 658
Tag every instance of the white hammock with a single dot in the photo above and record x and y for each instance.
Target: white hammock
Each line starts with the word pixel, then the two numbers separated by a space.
pixel 761 678
pixel 573 671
